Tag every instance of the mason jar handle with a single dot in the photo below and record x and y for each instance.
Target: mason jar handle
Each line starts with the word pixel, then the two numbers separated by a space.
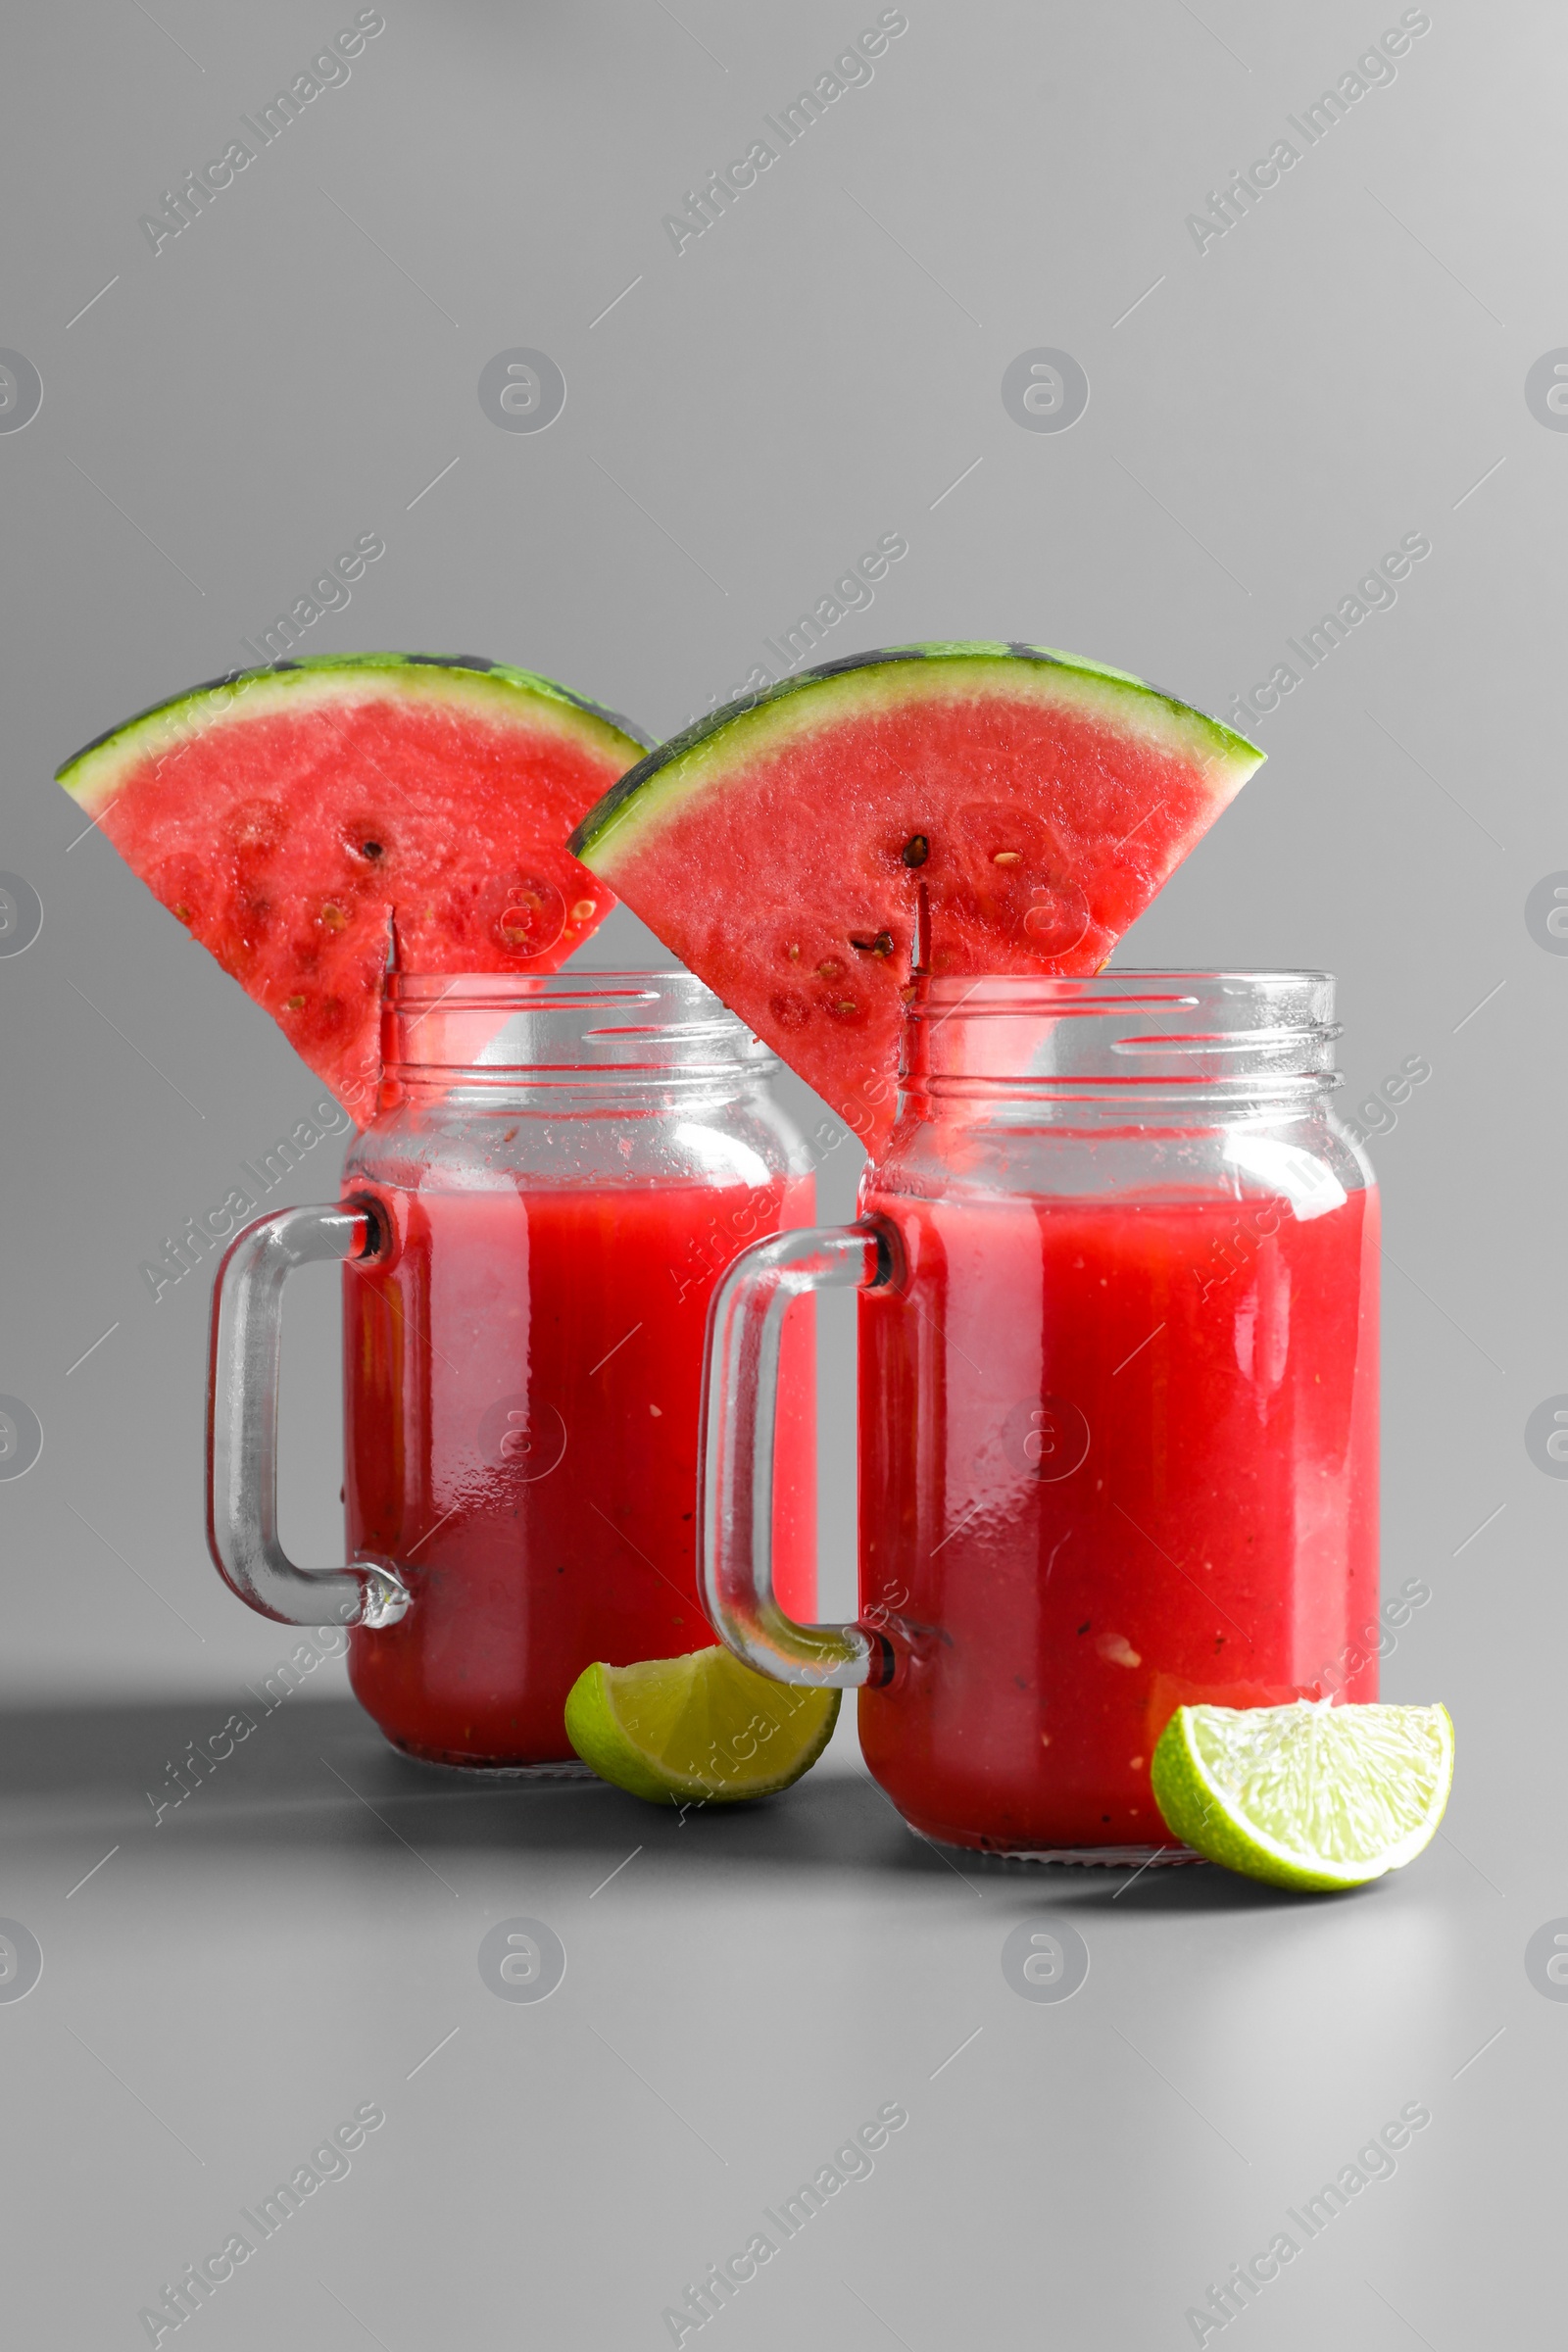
pixel 247 1335
pixel 740 1394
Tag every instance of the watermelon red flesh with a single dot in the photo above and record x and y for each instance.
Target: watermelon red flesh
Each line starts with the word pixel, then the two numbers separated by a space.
pixel 285 816
pixel 782 853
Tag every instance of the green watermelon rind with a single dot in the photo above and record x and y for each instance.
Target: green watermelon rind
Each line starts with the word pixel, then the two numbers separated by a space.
pixel 663 781
pixel 95 774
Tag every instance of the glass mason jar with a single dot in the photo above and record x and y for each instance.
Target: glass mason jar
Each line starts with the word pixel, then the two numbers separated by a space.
pixel 1118 1408
pixel 558 1172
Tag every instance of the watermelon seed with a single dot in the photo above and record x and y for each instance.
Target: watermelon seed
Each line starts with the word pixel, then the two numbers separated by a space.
pixel 829 969
pixel 1007 857
pixel 372 849
pixel 294 1003
pixel 183 912
pixel 916 850
pixel 582 911
pixel 333 917
pixel 882 945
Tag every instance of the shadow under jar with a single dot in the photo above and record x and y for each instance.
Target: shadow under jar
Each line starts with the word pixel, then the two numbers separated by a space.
pixel 1118 1409
pixel 559 1172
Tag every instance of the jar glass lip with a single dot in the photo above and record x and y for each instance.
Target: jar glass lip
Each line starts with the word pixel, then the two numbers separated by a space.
pixel 1110 991
pixel 563 990
pixel 1155 1034
pixel 562 1028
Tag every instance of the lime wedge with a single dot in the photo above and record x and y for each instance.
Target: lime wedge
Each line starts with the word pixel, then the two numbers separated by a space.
pixel 697 1730
pixel 1312 1795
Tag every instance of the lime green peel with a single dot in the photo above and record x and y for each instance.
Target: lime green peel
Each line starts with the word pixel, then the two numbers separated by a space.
pixel 698 1729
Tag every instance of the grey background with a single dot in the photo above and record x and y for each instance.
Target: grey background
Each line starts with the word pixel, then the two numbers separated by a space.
pixel 823 366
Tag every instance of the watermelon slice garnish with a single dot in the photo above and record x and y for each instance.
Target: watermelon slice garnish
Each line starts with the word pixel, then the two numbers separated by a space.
pixel 987 807
pixel 285 815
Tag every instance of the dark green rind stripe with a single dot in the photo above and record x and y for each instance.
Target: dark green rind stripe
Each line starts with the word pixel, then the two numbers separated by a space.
pixel 605 811
pixel 320 663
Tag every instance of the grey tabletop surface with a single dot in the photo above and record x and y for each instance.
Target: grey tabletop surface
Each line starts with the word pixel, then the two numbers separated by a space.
pixel 1255 388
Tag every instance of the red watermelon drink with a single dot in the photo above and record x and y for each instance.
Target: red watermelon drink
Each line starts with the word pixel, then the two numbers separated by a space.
pixel 1154 1485
pixel 565 1168
pixel 543 1351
